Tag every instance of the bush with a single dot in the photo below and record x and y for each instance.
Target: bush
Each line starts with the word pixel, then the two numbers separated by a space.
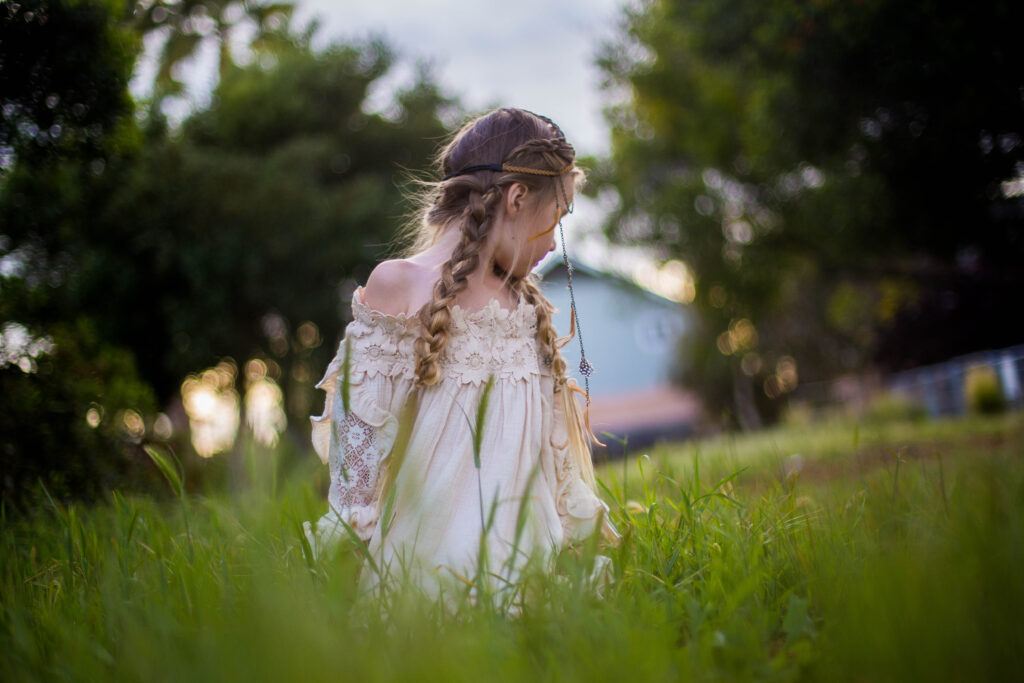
pixel 983 391
pixel 66 411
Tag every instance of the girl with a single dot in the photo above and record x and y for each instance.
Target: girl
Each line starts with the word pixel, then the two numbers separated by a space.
pixel 460 329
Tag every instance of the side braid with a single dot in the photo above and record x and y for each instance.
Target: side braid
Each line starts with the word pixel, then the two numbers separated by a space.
pixel 435 317
pixel 546 333
pixel 577 422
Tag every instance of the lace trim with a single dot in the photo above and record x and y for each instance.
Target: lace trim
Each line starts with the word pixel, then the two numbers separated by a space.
pixel 491 340
pixel 354 464
pixel 493 318
pixel 577 505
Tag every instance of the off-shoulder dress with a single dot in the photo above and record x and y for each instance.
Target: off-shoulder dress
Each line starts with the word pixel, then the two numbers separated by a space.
pixel 528 478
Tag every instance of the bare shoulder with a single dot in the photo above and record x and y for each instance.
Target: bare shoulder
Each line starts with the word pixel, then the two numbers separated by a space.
pixel 396 286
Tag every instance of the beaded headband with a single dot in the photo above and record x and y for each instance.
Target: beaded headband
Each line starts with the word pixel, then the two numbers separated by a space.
pixel 506 168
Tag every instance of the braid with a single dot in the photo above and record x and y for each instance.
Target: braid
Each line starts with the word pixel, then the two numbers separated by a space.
pixel 546 333
pixel 577 423
pixel 551 152
pixel 435 317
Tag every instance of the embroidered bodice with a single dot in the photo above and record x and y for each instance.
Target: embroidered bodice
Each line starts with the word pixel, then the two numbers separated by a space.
pixel 490 340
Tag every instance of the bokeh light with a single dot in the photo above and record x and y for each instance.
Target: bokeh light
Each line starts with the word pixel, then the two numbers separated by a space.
pixel 671 280
pixel 132 424
pixel 19 347
pixel 264 412
pixel 94 415
pixel 309 335
pixel 163 428
pixel 212 405
pixel 741 336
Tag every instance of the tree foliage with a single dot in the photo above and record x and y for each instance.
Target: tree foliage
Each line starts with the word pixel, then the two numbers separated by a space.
pixel 65 116
pixel 152 252
pixel 73 414
pixel 248 223
pixel 839 176
pixel 186 25
pixel 64 67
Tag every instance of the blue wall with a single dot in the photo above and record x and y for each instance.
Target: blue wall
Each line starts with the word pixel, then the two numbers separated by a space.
pixel 630 335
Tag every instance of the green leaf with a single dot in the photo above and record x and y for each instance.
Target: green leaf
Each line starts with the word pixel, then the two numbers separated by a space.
pixel 346 370
pixel 797 623
pixel 170 472
pixel 481 413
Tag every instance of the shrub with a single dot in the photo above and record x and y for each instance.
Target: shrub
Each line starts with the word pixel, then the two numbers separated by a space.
pixel 983 391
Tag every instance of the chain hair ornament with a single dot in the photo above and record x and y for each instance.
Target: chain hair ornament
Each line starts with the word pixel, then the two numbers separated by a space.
pixel 586 367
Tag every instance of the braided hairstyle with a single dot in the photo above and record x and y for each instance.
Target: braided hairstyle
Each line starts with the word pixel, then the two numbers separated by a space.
pixel 468 202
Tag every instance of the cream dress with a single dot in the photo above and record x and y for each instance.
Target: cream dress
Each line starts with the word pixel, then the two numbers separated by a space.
pixel 429 526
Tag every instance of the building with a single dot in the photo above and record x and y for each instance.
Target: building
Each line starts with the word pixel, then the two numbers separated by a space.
pixel 631 337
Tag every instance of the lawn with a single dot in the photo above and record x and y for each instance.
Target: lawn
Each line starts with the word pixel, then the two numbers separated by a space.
pixel 832 550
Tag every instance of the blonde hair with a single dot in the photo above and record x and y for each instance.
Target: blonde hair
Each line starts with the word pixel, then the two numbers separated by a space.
pixel 522 141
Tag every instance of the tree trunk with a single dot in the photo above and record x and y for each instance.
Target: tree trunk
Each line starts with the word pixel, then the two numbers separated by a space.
pixel 743 398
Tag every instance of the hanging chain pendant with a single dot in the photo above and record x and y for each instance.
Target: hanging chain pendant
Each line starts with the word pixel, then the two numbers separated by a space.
pixel 586 367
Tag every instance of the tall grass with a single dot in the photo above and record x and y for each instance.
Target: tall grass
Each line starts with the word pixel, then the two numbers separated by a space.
pixel 893 554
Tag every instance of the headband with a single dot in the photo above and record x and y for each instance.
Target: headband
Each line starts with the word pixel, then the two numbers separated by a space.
pixel 506 168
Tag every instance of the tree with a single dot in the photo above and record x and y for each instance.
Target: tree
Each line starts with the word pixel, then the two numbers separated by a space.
pixel 832 172
pixel 72 409
pixel 71 402
pixel 223 240
pixel 187 24
pixel 64 67
pixel 154 253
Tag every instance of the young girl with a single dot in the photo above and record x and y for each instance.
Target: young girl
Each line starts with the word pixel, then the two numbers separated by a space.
pixel 458 328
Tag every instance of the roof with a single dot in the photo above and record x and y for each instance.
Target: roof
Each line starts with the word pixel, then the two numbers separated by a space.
pixel 550 265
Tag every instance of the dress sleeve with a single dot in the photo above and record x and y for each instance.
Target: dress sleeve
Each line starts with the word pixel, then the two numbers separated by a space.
pixel 356 442
pixel 579 508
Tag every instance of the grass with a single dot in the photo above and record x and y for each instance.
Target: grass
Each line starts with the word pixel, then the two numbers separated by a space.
pixel 885 551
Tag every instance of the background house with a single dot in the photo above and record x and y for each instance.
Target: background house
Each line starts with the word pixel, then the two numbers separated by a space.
pixel 631 336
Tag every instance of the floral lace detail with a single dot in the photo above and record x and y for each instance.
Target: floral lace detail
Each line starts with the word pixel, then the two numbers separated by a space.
pixel 491 340
pixel 566 473
pixel 354 474
pixel 577 505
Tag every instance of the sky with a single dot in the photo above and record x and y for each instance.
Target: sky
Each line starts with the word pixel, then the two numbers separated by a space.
pixel 534 54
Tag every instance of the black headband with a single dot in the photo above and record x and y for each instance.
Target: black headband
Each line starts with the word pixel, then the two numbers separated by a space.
pixel 473 169
pixel 507 169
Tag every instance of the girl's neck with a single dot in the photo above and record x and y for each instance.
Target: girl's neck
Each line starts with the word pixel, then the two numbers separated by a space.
pixel 482 284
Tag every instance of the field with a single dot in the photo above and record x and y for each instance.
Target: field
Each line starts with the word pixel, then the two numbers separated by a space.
pixel 883 550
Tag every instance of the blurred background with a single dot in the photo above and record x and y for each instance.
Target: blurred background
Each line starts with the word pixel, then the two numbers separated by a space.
pixel 794 207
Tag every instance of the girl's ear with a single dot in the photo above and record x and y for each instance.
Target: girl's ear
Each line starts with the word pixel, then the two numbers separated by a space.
pixel 515 198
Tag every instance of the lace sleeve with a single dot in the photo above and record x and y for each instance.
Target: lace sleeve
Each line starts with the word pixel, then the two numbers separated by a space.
pixel 354 468
pixel 356 446
pixel 355 439
pixel 578 505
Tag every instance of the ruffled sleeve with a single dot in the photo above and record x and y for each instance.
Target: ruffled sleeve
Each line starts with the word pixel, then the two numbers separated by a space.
pixel 579 508
pixel 355 440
